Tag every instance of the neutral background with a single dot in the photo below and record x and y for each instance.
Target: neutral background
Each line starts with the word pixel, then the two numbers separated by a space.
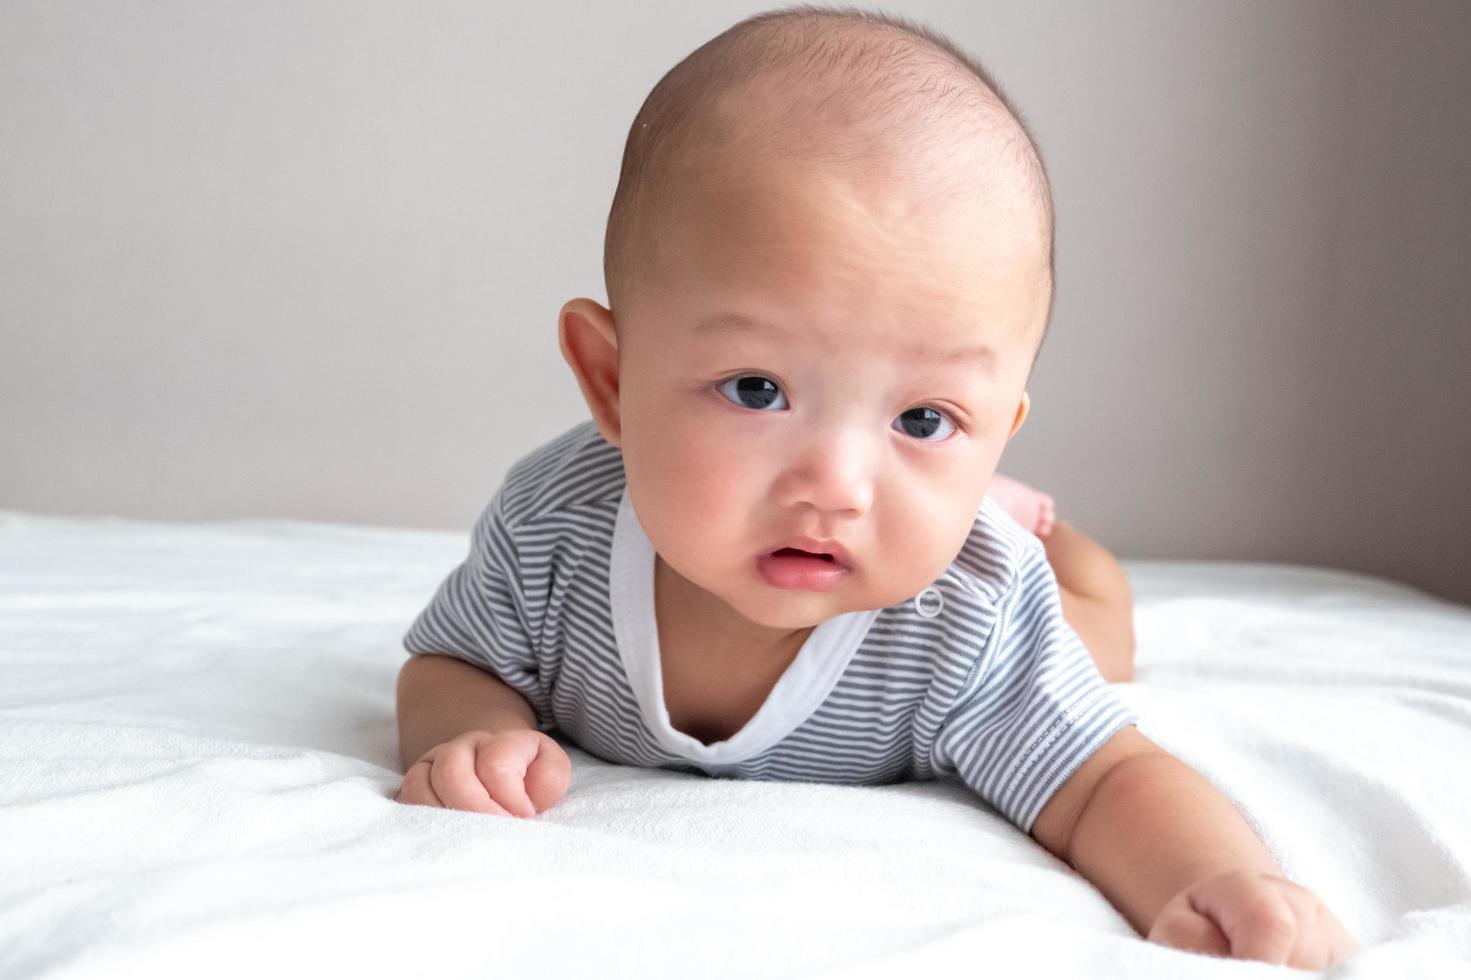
pixel 305 260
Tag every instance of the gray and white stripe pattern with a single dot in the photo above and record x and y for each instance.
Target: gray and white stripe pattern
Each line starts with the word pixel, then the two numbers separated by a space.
pixel 994 689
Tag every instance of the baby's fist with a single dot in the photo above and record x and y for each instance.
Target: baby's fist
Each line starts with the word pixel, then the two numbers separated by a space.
pixel 511 772
pixel 1253 916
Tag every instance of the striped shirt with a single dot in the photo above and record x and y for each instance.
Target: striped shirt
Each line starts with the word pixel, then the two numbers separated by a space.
pixel 978 677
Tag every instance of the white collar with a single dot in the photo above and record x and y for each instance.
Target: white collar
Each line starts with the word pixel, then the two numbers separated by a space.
pixel 805 685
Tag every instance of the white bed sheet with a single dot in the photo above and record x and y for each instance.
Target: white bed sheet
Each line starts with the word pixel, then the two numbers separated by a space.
pixel 198 753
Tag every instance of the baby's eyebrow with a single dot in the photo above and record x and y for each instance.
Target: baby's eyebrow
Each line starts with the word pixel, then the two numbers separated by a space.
pixel 918 350
pixel 734 322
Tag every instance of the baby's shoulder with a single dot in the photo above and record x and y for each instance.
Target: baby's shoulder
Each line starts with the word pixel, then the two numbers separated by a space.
pixel 960 622
pixel 575 469
pixel 997 555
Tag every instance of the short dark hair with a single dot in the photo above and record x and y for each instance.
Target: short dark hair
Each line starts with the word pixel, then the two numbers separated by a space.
pixel 876 64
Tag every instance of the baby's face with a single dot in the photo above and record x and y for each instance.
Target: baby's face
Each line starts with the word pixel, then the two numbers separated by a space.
pixel 828 358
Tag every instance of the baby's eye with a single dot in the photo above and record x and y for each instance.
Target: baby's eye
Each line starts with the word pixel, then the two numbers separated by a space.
pixel 922 422
pixel 756 392
pixel 752 391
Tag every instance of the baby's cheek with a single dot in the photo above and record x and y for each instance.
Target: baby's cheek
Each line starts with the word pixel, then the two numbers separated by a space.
pixel 922 539
pixel 700 495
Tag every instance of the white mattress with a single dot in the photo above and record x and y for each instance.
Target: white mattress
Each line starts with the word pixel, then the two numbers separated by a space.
pixel 198 753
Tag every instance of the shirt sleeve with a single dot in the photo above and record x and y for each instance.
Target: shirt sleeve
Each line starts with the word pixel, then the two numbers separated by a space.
pixel 1036 708
pixel 483 614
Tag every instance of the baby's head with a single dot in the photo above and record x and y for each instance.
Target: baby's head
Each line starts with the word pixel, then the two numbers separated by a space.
pixel 829 271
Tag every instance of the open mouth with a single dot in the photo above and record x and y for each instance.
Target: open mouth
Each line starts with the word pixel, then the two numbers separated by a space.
pixel 799 553
pixel 798 568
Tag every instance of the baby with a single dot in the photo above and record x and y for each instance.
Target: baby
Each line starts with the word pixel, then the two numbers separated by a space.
pixel 832 219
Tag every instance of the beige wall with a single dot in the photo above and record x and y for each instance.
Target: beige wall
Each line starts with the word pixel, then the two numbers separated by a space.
pixel 305 260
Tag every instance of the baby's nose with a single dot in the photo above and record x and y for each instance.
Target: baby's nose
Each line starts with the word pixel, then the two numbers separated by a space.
pixel 836 474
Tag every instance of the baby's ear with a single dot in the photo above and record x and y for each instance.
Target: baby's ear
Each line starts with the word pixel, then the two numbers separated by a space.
pixel 1021 414
pixel 589 344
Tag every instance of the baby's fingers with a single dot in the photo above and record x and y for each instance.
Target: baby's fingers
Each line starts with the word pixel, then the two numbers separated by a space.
pixel 1182 927
pixel 415 789
pixel 1321 939
pixel 505 777
pixel 549 776
pixel 1254 914
pixel 454 780
pixel 1268 918
pixel 1341 943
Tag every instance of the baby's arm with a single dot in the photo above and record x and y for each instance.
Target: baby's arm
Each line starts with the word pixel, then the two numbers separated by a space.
pixel 440 697
pixel 469 741
pixel 1176 858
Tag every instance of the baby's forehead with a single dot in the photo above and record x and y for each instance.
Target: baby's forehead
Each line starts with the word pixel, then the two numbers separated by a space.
pixel 898 297
pixel 901 210
pixel 771 136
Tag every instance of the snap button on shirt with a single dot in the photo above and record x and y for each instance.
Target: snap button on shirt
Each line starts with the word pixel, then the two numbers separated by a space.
pixel 929 603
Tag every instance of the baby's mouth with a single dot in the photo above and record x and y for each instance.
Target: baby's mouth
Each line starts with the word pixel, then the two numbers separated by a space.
pixel 798 552
pixel 790 567
pixel 804 549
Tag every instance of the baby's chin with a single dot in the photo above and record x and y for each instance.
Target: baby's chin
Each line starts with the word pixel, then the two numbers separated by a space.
pixel 795 620
pixel 784 609
pixel 795 609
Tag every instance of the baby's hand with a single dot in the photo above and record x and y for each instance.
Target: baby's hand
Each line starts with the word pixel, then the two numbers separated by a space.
pixel 1253 916
pixel 512 772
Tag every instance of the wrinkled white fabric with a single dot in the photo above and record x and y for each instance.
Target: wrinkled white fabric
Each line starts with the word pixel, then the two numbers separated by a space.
pixel 198 752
